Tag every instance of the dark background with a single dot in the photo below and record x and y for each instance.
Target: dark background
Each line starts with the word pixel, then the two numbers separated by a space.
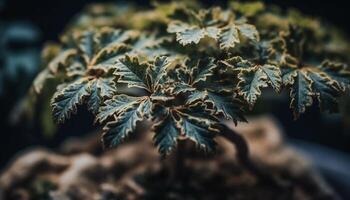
pixel 51 16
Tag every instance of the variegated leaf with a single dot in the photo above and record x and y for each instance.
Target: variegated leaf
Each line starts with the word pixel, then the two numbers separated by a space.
pixel 115 132
pixel 131 72
pixel 227 105
pixel 274 76
pixel 249 31
pixel 62 60
pixel 229 37
pixel 213 23
pixel 158 71
pixel 115 106
pixel 300 91
pixel 190 35
pixel 106 87
pixel 65 101
pixel 224 104
pixel 95 99
pixel 251 82
pixel 198 127
pixel 108 57
pixel 326 90
pixel 202 70
pixel 338 72
pixel 87 44
pixel 166 135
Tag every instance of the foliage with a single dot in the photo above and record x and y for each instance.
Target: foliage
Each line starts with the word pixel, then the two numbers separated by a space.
pixel 184 69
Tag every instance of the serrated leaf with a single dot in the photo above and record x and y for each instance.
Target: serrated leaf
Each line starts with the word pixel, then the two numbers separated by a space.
pixel 274 76
pixel 65 101
pixel 213 32
pixel 148 46
pixel 180 88
pixel 166 134
pixel 202 70
pixel 110 37
pixel 326 91
pixel 195 126
pixel 115 132
pixel 132 72
pixel 249 31
pixel 251 82
pixel 158 71
pixel 338 72
pixel 115 106
pixel 224 105
pixel 214 23
pixel 146 108
pixel 228 106
pixel 95 99
pixel 106 87
pixel 108 57
pixel 190 35
pixel 61 60
pixel 87 44
pixel 196 96
pixel 300 92
pixel 229 37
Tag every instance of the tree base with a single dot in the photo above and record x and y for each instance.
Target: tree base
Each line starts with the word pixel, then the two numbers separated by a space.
pixel 135 171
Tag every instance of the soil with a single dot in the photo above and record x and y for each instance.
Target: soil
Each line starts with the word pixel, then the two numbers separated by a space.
pixel 80 169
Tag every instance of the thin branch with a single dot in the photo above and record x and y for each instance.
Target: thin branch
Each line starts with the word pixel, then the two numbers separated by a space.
pixel 243 156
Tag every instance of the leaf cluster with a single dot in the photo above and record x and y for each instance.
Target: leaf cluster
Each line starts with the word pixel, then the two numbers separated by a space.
pixel 186 69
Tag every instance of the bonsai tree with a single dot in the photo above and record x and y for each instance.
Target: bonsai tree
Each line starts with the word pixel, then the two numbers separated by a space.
pixel 182 70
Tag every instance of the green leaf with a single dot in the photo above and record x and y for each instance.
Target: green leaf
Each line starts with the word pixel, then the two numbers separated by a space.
pixel 274 76
pixel 229 37
pixel 87 45
pixel 115 132
pixel 109 56
pixel 95 99
pixel 115 106
pixel 65 101
pixel 195 126
pixel 148 46
pixel 106 87
pixel 300 92
pixel 190 35
pixel 214 23
pixel 228 106
pixel 196 96
pixel 158 71
pixel 249 31
pixel 166 134
pixel 62 60
pixel 202 69
pixel 224 104
pixel 132 72
pixel 250 84
pixel 213 32
pixel 326 90
pixel 338 72
pixel 180 88
pixel 110 37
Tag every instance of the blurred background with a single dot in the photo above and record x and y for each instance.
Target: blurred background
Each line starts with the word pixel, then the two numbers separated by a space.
pixel 25 26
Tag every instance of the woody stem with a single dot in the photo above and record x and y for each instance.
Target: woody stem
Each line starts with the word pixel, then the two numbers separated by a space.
pixel 243 156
